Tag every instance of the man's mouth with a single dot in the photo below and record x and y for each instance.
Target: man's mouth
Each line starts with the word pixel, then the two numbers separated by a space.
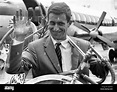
pixel 1 67
pixel 57 31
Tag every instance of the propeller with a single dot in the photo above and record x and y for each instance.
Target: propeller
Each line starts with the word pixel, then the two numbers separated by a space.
pixel 100 20
pixel 30 13
pixel 43 10
pixel 38 14
pixel 95 33
pixel 106 41
pixel 81 27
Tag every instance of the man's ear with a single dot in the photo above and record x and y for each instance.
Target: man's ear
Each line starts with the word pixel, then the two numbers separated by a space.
pixel 70 22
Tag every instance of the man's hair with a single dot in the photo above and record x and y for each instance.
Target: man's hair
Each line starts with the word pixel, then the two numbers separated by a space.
pixel 60 8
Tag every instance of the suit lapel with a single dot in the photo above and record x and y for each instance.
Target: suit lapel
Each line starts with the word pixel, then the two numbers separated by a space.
pixel 75 58
pixel 49 49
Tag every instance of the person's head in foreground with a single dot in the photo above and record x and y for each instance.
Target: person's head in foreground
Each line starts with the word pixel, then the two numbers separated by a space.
pixel 59 15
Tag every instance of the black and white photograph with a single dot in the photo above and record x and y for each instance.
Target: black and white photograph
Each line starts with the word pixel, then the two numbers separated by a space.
pixel 58 42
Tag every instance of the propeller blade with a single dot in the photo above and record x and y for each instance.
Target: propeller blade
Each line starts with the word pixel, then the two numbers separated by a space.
pixel 105 40
pixel 43 10
pixel 82 27
pixel 100 20
pixel 30 12
pixel 38 11
pixel 95 33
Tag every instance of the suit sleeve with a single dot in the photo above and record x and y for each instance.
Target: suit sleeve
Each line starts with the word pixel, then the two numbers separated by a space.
pixel 97 67
pixel 19 61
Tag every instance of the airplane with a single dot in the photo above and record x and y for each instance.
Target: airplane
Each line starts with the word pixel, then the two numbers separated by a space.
pixel 8 9
pixel 82 22
pixel 86 22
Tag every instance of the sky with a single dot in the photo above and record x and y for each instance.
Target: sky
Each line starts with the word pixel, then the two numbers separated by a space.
pixel 93 6
pixel 48 2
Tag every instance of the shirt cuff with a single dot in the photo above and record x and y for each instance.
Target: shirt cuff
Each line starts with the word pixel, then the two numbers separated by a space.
pixel 15 42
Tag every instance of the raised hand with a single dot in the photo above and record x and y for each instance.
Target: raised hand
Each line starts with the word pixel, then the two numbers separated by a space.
pixel 22 26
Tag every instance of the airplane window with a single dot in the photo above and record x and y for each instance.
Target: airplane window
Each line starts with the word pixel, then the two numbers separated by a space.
pixel 88 19
pixel 96 19
pixel 108 22
pixel 104 23
pixel 78 18
pixel 93 21
pixel 82 17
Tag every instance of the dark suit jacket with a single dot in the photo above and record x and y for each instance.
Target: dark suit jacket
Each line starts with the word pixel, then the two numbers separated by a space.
pixel 41 57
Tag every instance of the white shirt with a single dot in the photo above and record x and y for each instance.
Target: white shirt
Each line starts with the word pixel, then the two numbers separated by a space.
pixel 66 54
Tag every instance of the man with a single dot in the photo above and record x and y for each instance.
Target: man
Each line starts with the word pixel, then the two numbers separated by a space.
pixel 41 54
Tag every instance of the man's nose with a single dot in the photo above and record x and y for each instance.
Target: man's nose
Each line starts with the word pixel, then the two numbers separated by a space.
pixel 56 28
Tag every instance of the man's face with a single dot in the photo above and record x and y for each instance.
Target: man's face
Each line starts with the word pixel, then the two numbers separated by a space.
pixel 58 26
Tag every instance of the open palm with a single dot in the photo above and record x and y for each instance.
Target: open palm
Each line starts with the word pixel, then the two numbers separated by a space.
pixel 22 26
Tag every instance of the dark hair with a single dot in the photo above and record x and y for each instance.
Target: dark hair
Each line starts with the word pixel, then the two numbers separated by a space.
pixel 115 41
pixel 60 8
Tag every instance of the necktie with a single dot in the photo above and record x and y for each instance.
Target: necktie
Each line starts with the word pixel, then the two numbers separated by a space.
pixel 58 53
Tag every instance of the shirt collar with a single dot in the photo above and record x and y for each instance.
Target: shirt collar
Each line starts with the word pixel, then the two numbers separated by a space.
pixel 64 43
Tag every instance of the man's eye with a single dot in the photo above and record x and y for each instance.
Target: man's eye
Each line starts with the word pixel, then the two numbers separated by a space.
pixel 60 23
pixel 52 23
